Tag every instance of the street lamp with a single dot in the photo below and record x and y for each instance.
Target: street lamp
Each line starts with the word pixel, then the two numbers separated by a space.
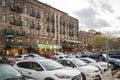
pixel 107 51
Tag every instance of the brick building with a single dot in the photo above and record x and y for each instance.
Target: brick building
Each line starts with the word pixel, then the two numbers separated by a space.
pixel 27 23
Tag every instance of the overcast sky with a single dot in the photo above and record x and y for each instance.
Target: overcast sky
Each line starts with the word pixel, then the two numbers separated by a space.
pixel 101 15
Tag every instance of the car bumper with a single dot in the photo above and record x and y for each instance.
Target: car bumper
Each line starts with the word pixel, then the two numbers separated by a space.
pixel 93 76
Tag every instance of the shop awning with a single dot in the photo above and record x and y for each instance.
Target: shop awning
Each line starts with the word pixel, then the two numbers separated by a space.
pixel 18 46
pixel 10 36
pixel 48 46
pixel 2 46
pixel 72 41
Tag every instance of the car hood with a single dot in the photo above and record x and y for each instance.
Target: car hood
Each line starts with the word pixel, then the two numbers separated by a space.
pixel 88 67
pixel 67 71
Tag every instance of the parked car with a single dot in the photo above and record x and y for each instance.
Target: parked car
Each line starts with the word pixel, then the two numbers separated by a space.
pixel 88 72
pixel 59 55
pixel 101 65
pixel 9 73
pixel 8 60
pixel 46 69
pixel 115 63
pixel 29 56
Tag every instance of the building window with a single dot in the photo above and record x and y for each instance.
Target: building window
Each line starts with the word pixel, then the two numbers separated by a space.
pixel 37 13
pixel 12 20
pixel 19 22
pixel 26 21
pixel 42 14
pixel 20 31
pixel 4 16
pixel 9 30
pixel 42 33
pixel 32 23
pixel 20 41
pixel 4 3
pixel 29 40
pixel 32 11
pixel 37 25
pixel 19 10
pixel 12 5
pixel 29 32
pixel 26 9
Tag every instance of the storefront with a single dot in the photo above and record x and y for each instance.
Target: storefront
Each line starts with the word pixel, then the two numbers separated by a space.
pixel 71 45
pixel 48 47
pixel 14 50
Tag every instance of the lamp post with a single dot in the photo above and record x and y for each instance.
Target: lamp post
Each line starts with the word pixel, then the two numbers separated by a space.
pixel 107 51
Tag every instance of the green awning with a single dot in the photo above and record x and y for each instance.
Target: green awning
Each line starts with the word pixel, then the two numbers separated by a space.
pixel 72 41
pixel 48 46
pixel 9 36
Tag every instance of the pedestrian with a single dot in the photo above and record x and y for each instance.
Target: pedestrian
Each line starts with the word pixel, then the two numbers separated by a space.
pixel 100 58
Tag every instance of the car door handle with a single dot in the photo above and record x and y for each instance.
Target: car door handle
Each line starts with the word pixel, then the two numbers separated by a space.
pixel 29 73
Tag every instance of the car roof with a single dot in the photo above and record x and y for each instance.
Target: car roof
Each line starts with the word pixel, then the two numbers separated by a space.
pixel 68 59
pixel 35 60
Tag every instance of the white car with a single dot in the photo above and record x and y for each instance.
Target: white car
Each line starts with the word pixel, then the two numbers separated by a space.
pixel 59 55
pixel 29 56
pixel 46 69
pixel 101 65
pixel 88 72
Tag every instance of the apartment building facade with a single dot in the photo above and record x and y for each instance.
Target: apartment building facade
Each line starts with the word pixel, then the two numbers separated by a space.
pixel 31 23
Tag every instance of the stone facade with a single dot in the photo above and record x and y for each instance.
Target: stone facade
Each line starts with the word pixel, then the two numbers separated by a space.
pixel 30 22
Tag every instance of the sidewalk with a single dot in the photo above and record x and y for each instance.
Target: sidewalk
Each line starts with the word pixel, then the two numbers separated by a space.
pixel 116 75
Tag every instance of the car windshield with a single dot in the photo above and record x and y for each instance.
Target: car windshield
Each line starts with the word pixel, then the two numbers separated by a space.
pixel 7 72
pixel 79 63
pixel 51 65
pixel 91 60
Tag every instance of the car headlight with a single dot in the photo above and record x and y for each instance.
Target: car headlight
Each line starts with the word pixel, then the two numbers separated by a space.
pixel 103 65
pixel 90 71
pixel 63 76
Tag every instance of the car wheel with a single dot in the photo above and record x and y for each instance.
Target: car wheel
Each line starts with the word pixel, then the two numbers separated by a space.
pixel 112 66
pixel 83 76
pixel 49 78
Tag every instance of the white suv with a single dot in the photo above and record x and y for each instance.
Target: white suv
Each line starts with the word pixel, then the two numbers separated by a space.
pixel 46 69
pixel 88 72
pixel 58 55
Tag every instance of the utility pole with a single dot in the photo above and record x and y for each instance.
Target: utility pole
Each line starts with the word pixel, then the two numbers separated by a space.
pixel 107 52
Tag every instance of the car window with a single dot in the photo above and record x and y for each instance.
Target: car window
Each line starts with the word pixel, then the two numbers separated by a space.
pixel 61 62
pixel 53 53
pixel 69 63
pixel 85 60
pixel 19 56
pixel 36 66
pixel 51 65
pixel 24 65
